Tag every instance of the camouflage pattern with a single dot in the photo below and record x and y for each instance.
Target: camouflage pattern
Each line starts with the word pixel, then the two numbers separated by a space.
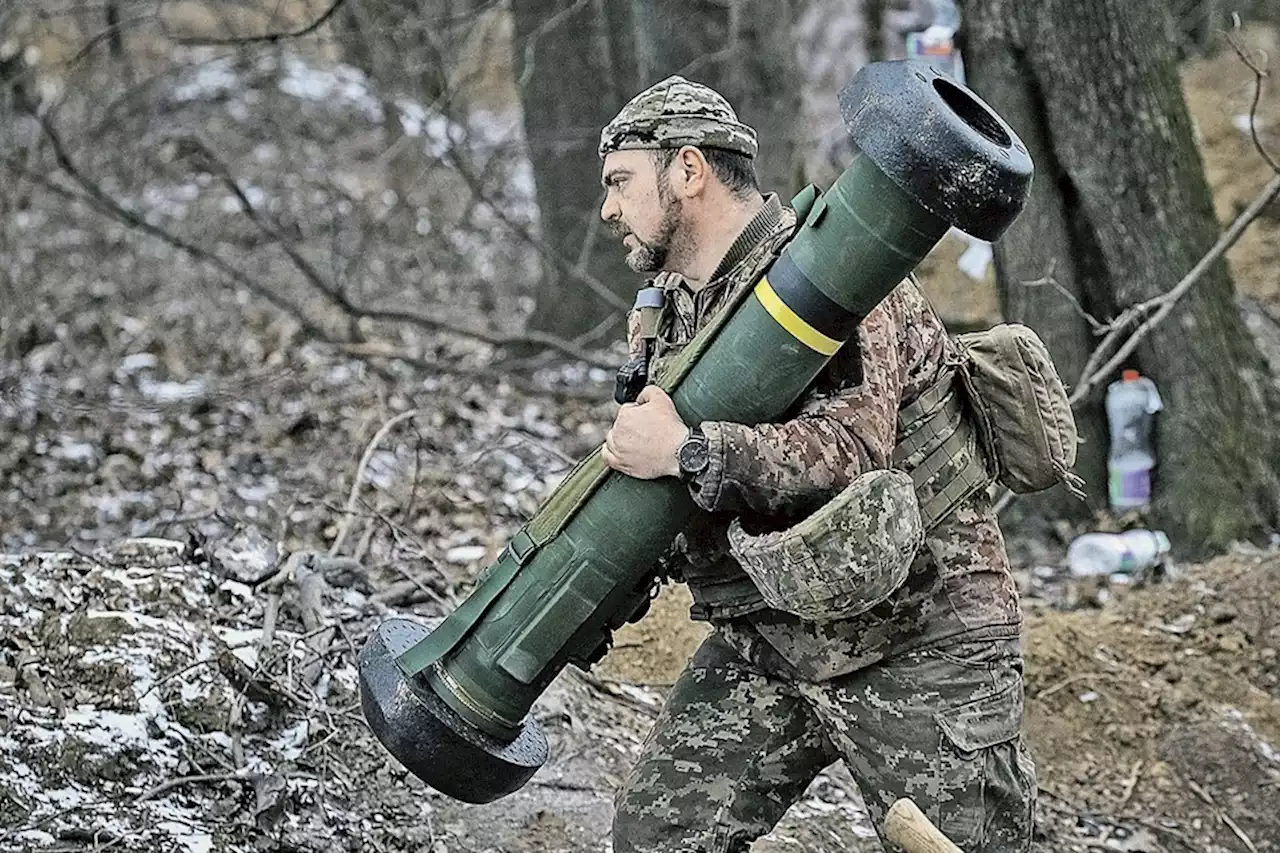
pixel 678 112
pixel 770 476
pixel 844 559
pixel 921 694
pixel 741 737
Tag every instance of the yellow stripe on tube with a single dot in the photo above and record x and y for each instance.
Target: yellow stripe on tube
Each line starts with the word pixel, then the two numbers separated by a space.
pixel 791 321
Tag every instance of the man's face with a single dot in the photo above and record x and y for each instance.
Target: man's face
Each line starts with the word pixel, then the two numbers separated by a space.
pixel 641 208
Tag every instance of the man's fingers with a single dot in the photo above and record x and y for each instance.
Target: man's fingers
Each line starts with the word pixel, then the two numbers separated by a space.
pixel 650 392
pixel 611 459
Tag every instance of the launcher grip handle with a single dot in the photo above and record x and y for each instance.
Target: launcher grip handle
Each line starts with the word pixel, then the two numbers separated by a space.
pixel 907 827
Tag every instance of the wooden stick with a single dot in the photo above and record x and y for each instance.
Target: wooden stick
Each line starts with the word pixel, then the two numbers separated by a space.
pixel 907 827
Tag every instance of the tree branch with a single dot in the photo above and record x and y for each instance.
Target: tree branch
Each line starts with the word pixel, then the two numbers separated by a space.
pixel 265 38
pixel 594 284
pixel 99 198
pixel 493 338
pixel 192 145
pixel 1051 279
pixel 105 203
pixel 203 779
pixel 349 518
pixel 1099 366
pixel 1165 303
pixel 1260 74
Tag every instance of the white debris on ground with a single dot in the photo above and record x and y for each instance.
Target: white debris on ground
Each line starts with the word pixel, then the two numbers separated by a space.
pixel 115 698
pixel 140 710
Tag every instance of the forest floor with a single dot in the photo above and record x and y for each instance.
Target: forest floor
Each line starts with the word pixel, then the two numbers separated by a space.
pixel 145 704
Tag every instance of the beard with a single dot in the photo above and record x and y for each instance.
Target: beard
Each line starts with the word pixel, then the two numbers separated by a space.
pixel 652 255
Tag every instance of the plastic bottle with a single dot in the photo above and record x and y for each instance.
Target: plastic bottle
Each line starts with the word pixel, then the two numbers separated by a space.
pixel 1131 405
pixel 1116 553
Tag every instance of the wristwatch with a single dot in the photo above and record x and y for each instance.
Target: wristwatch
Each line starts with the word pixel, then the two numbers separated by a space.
pixel 694 454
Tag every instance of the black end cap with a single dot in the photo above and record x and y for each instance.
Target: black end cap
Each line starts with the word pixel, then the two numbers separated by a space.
pixel 940 143
pixel 428 737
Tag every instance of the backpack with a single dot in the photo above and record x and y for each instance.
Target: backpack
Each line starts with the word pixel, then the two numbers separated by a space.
pixel 1022 411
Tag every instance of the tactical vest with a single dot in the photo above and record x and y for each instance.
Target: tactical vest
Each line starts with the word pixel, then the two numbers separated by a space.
pixel 937 444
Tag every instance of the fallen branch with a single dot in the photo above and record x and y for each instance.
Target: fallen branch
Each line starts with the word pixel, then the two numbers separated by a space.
pixel 305 570
pixel 407 592
pixel 374 350
pixel 615 693
pixel 1065 806
pixel 350 515
pixel 1131 785
pixel 311 594
pixel 253 686
pixel 1066 682
pixel 172 784
pixel 1222 815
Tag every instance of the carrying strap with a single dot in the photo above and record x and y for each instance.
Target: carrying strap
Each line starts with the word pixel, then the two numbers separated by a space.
pixel 591 472
pixel 574 491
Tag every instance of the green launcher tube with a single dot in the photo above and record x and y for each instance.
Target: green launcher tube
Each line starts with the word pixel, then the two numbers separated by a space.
pixel 452 704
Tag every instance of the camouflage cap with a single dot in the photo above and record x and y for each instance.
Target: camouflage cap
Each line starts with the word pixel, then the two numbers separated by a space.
pixel 844 559
pixel 678 112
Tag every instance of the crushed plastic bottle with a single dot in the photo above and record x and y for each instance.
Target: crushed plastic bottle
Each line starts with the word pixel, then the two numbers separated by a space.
pixel 1128 553
pixel 1131 404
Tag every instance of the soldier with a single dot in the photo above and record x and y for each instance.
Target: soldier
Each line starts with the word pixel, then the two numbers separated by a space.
pixel 904 662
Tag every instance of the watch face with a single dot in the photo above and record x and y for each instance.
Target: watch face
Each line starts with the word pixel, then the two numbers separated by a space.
pixel 694 456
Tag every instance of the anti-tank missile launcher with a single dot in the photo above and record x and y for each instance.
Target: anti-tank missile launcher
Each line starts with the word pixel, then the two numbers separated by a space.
pixel 452 704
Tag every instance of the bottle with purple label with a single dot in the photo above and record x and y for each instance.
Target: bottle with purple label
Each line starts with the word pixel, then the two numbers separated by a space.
pixel 1131 405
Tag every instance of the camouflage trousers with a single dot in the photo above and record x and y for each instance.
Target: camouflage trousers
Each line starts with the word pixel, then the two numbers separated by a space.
pixel 737 743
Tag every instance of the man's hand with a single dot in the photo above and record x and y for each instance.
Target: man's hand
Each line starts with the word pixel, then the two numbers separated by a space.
pixel 645 437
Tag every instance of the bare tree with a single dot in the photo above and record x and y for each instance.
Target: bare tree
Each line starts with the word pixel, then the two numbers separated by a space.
pixel 575 67
pixel 1119 211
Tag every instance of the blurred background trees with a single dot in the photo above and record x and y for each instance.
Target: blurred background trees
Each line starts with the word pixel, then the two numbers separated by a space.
pixel 579 64
pixel 415 183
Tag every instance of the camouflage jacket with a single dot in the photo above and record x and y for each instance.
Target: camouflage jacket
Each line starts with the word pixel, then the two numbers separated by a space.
pixel 771 475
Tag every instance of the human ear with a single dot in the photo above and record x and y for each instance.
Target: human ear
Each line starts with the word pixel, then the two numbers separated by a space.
pixel 694 170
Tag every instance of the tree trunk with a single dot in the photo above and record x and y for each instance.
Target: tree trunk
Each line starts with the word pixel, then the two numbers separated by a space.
pixel 745 50
pixel 1122 209
pixel 575 66
pixel 873 10
pixel 742 48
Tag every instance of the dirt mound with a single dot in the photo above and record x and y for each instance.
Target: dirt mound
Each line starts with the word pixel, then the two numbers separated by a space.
pixel 1150 719
pixel 655 649
pixel 1164 704
pixel 145 706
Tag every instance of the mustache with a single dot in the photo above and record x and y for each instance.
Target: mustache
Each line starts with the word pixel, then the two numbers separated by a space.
pixel 619 229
